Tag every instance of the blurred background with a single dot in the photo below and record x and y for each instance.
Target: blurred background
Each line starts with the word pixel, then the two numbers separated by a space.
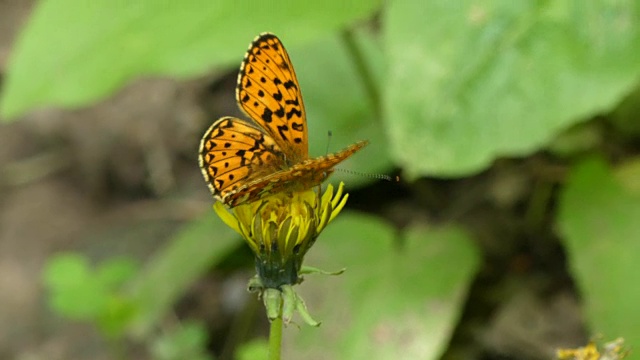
pixel 513 127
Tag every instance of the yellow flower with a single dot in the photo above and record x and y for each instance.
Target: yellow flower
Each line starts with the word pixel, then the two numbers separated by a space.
pixel 612 350
pixel 281 228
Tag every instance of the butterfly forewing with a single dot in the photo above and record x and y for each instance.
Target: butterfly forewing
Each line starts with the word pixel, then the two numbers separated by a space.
pixel 299 177
pixel 269 93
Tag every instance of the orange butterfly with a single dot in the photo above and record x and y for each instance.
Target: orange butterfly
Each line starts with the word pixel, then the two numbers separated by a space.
pixel 245 161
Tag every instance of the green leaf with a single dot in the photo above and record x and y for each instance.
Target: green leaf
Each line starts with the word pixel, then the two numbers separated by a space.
pixel 470 81
pixel 66 270
pixel 625 116
pixel 169 274
pixel 74 291
pixel 337 101
pixel 598 218
pixel 86 301
pixel 73 52
pixel 115 272
pixel 628 174
pixel 188 341
pixel 116 316
pixel 254 349
pixel 393 301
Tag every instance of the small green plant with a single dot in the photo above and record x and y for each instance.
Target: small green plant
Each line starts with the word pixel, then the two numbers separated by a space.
pixel 99 295
pixel 188 341
pixel 82 292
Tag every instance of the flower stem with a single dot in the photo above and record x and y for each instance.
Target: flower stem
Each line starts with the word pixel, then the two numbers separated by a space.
pixel 275 338
pixel 364 70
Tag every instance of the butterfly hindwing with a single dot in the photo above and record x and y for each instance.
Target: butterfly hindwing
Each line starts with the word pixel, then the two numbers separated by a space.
pixel 233 153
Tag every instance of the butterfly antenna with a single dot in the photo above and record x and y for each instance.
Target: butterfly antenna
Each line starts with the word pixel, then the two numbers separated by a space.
pixel 329 136
pixel 372 176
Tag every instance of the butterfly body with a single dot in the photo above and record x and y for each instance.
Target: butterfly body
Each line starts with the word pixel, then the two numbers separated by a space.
pixel 245 161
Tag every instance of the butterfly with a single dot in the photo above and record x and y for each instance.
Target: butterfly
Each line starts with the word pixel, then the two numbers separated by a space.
pixel 244 161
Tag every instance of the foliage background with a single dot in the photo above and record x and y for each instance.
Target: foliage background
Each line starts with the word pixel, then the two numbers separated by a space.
pixel 513 127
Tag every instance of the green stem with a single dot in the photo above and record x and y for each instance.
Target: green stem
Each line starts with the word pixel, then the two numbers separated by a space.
pixel 363 69
pixel 275 338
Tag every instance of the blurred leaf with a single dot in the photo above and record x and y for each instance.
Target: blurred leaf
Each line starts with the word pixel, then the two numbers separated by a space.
pixel 577 140
pixel 598 218
pixel 86 301
pixel 336 101
pixel 188 341
pixel 625 115
pixel 73 52
pixel 167 276
pixel 116 271
pixel 119 309
pixel 117 315
pixel 399 302
pixel 254 349
pixel 628 174
pixel 66 270
pixel 79 292
pixel 74 291
pixel 469 81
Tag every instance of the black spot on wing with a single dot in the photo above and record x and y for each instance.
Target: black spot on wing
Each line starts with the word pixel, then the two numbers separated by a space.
pixel 294 112
pixel 290 84
pixel 284 66
pixel 266 115
pixel 281 130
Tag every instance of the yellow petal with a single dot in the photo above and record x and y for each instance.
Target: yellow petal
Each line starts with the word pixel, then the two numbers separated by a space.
pixel 226 216
pixel 339 207
pixel 338 195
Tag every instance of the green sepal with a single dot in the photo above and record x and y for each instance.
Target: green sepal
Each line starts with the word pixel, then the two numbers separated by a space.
pixel 289 303
pixel 255 285
pixel 304 313
pixel 272 302
pixel 304 270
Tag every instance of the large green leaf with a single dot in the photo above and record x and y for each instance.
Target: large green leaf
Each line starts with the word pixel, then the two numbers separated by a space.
pixel 599 221
pixel 469 81
pixel 336 100
pixel 73 52
pixel 397 301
